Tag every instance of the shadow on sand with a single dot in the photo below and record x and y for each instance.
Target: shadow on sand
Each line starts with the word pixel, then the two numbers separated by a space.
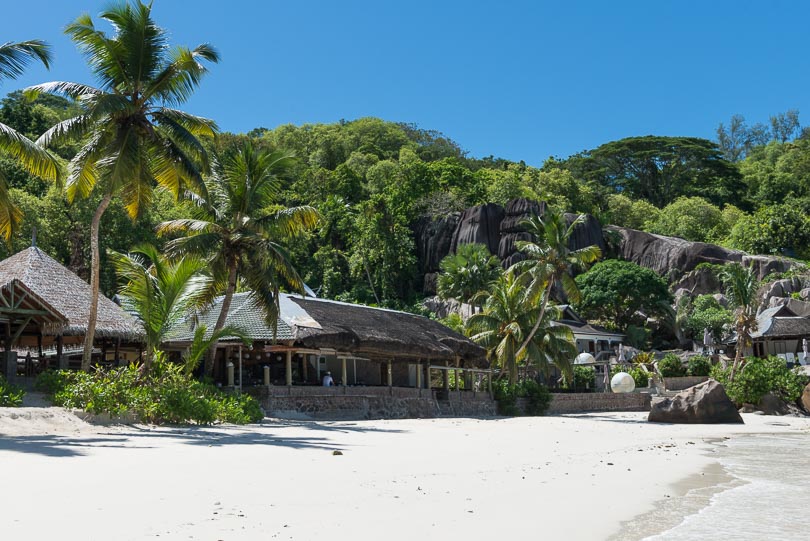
pixel 137 437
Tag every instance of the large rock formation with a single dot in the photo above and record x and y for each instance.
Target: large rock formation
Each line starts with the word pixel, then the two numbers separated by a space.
pixel 480 224
pixel 673 257
pixel 805 398
pixel 705 403
pixel 433 240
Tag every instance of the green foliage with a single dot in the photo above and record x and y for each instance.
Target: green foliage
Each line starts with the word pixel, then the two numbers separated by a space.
pixel 584 379
pixel 615 291
pixel 757 377
pixel 778 229
pixel 704 312
pixel 641 377
pixel 454 322
pixel 468 272
pixel 537 397
pixel 698 366
pixel 671 366
pixel 11 396
pixel 167 395
pixel 626 212
pixel 660 169
pixel 638 336
pixel 691 218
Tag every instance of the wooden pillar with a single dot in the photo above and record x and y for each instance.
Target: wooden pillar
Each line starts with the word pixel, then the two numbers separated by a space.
pixel 117 352
pixel 288 368
pixel 427 374
pixel 457 374
pixel 304 370
pixel 240 368
pixel 42 364
pixel 489 383
pixel 446 377
pixel 419 375
pixel 390 373
pixel 344 374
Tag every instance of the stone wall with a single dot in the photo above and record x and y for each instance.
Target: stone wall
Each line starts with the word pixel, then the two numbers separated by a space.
pixel 584 402
pixel 679 384
pixel 344 403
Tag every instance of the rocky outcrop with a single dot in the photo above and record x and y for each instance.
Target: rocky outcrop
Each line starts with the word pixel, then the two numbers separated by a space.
pixel 706 403
pixel 673 257
pixel 444 307
pixel 433 240
pixel 480 224
pixel 771 404
pixel 698 282
pixel 800 308
pixel 805 398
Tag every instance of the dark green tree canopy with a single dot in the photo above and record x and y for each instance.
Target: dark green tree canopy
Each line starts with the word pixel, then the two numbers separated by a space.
pixel 614 291
pixel 660 169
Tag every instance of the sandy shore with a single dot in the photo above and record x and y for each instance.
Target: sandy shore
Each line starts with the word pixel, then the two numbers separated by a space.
pixel 567 477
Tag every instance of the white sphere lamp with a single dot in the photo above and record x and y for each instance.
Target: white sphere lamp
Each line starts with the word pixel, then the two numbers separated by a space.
pixel 584 358
pixel 622 382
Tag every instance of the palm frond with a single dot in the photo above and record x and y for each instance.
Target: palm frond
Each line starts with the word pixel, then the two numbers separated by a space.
pixel 15 56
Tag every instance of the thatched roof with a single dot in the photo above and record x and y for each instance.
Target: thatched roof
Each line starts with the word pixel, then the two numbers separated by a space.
pixel 67 295
pixel 348 328
pixel 378 332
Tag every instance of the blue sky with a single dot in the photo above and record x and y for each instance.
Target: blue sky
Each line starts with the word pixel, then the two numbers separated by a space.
pixel 519 80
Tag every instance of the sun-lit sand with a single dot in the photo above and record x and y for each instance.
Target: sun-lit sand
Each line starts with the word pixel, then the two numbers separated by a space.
pixel 569 477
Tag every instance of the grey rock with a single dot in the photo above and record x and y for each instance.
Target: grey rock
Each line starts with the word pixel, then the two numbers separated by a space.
pixel 771 404
pixel 433 239
pixel 480 224
pixel 705 403
pixel 721 299
pixel 699 282
pixel 805 398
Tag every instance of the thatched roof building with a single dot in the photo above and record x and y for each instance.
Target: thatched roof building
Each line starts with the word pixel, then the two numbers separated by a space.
pixel 34 284
pixel 354 329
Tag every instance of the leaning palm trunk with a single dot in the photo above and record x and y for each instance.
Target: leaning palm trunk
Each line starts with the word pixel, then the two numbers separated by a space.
pixel 89 337
pixel 223 317
pixel 536 326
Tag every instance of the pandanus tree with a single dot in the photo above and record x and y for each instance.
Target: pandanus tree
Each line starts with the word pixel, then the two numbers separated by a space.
pixel 549 261
pixel 741 290
pixel 505 322
pixel 132 136
pixel 164 292
pixel 14 57
pixel 241 228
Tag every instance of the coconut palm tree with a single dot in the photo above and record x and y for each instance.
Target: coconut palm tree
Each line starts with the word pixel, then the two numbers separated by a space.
pixel 13 59
pixel 467 272
pixel 132 136
pixel 741 290
pixel 507 316
pixel 550 261
pixel 240 228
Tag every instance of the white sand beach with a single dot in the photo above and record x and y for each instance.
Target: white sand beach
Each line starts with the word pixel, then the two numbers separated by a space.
pixel 567 477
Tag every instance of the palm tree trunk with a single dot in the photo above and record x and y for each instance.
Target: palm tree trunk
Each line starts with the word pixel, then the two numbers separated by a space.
pixel 738 355
pixel 94 282
pixel 539 318
pixel 223 316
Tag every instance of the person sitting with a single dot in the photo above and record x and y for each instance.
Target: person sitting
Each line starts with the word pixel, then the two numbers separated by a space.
pixel 327 380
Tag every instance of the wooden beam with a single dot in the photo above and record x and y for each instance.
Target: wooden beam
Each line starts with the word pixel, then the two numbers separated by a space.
pixel 19 331
pixel 23 311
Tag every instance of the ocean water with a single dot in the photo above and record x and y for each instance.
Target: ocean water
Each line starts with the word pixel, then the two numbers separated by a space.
pixel 764 494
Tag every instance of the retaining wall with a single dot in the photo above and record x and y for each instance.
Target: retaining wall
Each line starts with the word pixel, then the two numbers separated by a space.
pixel 585 402
pixel 331 403
pixel 679 384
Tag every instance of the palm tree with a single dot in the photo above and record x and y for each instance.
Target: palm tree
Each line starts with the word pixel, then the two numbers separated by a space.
pixel 550 260
pixel 239 228
pixel 13 59
pixel 504 323
pixel 132 137
pixel 162 292
pixel 741 291
pixel 467 272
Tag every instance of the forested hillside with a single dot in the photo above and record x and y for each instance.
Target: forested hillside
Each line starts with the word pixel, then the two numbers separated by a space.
pixel 372 180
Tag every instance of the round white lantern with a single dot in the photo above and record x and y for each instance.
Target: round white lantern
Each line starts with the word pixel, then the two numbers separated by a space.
pixel 622 383
pixel 584 358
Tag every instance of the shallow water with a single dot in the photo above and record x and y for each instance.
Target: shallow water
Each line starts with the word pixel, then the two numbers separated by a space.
pixel 767 496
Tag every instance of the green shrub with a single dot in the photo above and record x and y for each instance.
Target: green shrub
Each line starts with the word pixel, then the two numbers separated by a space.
pixel 758 377
pixel 641 377
pixel 166 396
pixel 537 397
pixel 699 366
pixel 671 366
pixel 584 378
pixel 11 396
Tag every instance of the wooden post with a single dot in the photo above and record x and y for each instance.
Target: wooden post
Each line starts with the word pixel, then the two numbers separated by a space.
pixel 305 368
pixel 419 375
pixel 427 374
pixel 39 352
pixel 390 373
pixel 266 376
pixel 240 368
pixel 117 352
pixel 288 369
pixel 344 374
pixel 446 377
pixel 60 364
pixel 489 383
pixel 457 374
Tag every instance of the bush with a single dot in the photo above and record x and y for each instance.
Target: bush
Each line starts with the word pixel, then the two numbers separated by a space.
pixel 537 397
pixel 11 396
pixel 699 366
pixel 641 378
pixel 759 377
pixel 584 379
pixel 166 396
pixel 671 366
